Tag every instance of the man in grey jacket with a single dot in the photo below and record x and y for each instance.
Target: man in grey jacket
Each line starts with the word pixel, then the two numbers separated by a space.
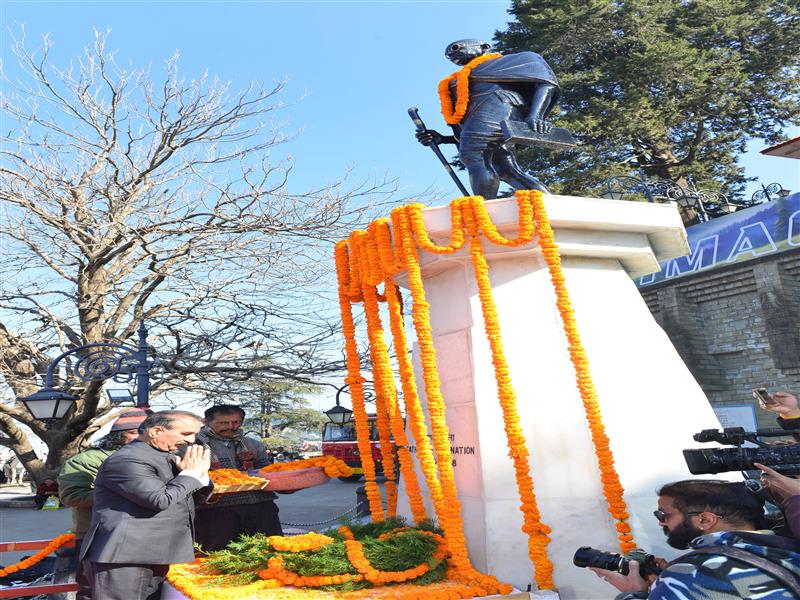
pixel 232 515
pixel 142 518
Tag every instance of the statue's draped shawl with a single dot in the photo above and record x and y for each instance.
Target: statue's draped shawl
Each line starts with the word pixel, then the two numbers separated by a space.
pixel 523 67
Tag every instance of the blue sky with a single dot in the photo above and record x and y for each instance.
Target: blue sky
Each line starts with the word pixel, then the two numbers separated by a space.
pixel 353 69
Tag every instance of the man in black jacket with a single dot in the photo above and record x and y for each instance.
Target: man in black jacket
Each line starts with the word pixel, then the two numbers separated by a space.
pixel 142 518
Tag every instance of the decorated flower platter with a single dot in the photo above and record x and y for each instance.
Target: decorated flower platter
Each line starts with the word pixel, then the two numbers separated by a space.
pixel 232 481
pixel 301 474
pixel 296 479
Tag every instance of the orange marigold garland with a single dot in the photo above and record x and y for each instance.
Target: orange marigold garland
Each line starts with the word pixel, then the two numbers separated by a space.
pixel 612 488
pixel 392 260
pixel 413 406
pixel 526 229
pixel 307 542
pixel 356 556
pixel 414 212
pixel 51 546
pixel 537 532
pixel 275 570
pixel 345 273
pixel 384 388
pixel 450 519
pixel 453 116
pixel 380 247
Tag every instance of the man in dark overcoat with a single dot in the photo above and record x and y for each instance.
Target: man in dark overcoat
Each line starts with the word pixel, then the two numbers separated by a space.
pixel 143 512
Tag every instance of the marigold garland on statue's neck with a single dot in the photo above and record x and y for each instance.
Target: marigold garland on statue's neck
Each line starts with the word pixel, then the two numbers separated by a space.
pixel 347 273
pixel 453 116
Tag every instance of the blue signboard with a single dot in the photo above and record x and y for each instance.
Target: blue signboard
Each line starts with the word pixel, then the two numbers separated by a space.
pixel 746 234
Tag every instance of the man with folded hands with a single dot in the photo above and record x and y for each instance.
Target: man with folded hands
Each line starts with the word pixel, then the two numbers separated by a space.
pixel 143 511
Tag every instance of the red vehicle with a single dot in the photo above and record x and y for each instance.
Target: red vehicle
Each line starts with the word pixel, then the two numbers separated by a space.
pixel 340 442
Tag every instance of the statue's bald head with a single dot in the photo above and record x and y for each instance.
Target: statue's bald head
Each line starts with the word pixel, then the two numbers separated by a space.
pixel 463 51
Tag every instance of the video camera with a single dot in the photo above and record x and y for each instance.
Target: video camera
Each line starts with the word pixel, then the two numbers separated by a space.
pixel 586 556
pixel 701 461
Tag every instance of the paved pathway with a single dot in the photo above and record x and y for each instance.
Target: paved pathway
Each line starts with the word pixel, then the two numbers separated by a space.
pixel 18 524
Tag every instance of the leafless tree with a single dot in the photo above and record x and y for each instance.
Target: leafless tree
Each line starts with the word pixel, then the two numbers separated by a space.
pixel 129 197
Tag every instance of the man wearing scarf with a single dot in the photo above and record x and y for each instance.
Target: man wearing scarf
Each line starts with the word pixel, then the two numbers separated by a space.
pixel 221 522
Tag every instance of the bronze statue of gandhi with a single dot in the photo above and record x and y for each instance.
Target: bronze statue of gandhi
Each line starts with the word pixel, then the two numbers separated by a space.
pixel 514 89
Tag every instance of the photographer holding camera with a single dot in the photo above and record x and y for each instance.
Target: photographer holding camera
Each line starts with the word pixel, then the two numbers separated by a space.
pixel 731 556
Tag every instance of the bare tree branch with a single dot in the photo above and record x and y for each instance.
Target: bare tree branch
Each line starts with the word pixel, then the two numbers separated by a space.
pixel 127 196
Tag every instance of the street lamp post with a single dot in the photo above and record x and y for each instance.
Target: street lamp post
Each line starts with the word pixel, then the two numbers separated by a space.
pixel 339 415
pixel 769 193
pixel 99 362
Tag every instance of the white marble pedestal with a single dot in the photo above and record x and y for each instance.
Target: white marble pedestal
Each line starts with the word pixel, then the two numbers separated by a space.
pixel 650 403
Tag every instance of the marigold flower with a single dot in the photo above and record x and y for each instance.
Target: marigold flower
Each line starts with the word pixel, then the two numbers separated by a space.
pixel 453 116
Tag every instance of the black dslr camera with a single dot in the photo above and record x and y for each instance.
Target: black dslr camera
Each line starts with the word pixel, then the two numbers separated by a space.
pixel 701 461
pixel 586 556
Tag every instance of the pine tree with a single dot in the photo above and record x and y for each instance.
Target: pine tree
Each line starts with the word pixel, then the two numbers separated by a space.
pixel 671 89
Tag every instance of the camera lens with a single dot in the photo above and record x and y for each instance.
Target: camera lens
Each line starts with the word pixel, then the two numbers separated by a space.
pixel 586 556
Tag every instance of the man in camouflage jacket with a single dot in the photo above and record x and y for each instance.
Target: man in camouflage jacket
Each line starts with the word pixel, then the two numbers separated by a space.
pixel 714 519
pixel 230 515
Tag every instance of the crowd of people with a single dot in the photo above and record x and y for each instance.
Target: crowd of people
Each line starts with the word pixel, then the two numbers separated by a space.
pixel 141 498
pixel 732 551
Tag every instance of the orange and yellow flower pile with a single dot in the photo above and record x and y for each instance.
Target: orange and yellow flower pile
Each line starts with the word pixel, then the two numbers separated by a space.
pixel 281 567
pixel 307 542
pixel 194 583
pixel 333 466
pixel 223 477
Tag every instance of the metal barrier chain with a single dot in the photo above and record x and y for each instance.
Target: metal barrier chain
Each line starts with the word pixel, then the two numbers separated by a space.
pixel 336 518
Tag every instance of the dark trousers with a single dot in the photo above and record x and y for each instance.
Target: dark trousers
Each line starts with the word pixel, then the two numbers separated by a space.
pixel 123 581
pixel 83 575
pixel 215 528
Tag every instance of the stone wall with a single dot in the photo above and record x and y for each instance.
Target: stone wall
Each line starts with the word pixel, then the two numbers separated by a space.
pixel 737 327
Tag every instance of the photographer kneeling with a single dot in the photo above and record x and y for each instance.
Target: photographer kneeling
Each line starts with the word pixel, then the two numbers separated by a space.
pixel 731 557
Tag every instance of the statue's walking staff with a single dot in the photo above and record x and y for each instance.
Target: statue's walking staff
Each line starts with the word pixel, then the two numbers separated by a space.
pixel 413 112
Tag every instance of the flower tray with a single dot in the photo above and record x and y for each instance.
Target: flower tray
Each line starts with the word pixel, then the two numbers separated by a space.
pixel 235 488
pixel 298 479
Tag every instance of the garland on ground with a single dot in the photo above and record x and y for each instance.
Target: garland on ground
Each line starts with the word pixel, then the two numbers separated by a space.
pixel 453 116
pixel 333 467
pixel 372 555
pixel 51 546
